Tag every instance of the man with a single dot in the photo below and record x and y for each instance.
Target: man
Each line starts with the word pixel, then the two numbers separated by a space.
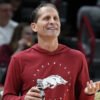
pixel 48 66
pixel 7 25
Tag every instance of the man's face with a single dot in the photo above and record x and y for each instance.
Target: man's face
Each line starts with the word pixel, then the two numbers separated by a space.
pixel 48 23
pixel 5 12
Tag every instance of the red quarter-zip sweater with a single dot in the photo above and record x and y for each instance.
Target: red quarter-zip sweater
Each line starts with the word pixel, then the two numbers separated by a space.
pixel 36 63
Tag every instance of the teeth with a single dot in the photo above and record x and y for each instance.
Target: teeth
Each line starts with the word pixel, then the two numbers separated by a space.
pixel 51 28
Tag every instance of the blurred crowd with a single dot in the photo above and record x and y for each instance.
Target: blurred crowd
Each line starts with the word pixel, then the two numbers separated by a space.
pixel 14 36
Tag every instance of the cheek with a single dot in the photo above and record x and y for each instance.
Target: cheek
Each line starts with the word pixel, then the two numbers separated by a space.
pixel 40 27
pixel 59 24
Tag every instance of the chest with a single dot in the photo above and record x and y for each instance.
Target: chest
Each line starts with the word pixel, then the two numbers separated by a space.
pixel 42 68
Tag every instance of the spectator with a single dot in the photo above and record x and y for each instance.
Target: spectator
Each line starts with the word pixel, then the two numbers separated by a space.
pixel 22 38
pixel 6 24
pixel 17 7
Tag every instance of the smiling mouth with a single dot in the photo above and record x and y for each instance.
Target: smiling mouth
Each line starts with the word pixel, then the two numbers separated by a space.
pixel 52 29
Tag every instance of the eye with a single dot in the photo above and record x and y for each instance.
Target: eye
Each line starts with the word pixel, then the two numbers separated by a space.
pixel 46 18
pixel 56 18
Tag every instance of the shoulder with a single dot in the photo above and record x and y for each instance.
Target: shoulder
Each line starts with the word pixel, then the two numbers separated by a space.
pixel 22 54
pixel 73 52
pixel 25 53
pixel 76 52
pixel 13 23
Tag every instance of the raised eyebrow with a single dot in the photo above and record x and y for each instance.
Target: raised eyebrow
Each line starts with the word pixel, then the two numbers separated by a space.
pixel 46 17
pixel 55 17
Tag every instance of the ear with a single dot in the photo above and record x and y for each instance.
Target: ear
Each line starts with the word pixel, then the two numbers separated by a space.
pixel 34 27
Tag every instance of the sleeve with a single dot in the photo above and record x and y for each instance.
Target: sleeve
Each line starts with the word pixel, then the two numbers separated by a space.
pixel 82 79
pixel 13 82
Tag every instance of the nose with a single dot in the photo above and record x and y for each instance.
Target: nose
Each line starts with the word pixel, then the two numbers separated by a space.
pixel 52 20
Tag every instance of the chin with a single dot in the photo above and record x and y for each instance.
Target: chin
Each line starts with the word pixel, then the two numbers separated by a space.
pixel 53 34
pixel 56 35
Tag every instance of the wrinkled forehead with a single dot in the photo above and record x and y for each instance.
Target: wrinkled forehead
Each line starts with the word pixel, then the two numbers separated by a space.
pixel 47 10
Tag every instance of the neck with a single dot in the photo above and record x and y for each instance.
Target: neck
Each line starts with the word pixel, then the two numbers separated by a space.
pixel 48 44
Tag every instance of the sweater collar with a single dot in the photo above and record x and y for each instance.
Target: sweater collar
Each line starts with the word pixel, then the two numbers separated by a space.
pixel 60 49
